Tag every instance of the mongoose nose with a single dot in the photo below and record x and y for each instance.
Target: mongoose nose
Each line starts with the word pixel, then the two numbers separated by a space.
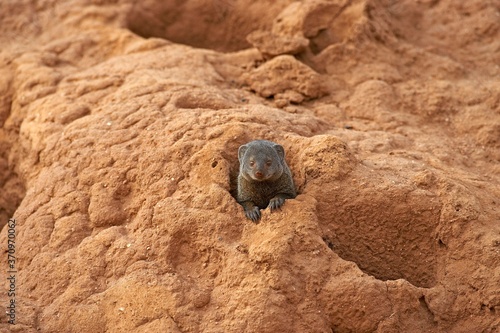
pixel 259 174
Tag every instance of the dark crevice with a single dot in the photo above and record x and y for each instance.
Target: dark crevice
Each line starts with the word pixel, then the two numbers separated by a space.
pixel 12 188
pixel 425 307
pixel 328 243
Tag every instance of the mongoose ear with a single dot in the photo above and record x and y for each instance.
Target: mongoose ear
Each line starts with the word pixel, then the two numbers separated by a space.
pixel 280 150
pixel 241 152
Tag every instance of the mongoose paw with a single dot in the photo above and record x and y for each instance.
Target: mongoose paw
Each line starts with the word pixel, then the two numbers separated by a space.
pixel 253 214
pixel 276 203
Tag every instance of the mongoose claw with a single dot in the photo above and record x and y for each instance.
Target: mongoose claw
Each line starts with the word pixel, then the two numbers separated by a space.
pixel 253 214
pixel 276 203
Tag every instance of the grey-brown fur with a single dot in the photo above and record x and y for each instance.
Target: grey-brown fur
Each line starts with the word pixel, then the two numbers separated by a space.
pixel 266 183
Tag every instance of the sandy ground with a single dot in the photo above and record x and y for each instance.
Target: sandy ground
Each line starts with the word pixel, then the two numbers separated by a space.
pixel 118 154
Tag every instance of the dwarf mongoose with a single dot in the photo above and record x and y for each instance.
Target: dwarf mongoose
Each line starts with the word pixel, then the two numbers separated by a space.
pixel 265 180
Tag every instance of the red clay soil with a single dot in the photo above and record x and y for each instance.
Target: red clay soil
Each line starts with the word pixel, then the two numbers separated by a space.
pixel 121 125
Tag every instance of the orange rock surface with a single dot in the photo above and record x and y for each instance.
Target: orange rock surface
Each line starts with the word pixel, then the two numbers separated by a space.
pixel 118 153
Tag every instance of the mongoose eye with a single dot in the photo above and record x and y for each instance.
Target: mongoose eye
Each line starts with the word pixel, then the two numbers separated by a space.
pixel 268 163
pixel 251 163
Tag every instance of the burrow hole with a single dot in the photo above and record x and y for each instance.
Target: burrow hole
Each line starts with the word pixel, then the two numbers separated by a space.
pixel 221 25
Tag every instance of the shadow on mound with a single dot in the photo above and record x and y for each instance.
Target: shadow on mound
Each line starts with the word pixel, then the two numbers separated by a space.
pixel 12 187
pixel 389 233
pixel 221 25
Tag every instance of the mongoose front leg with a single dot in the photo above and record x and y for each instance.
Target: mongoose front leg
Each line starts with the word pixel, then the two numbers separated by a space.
pixel 252 212
pixel 277 201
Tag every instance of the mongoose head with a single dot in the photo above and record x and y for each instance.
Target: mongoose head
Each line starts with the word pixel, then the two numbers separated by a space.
pixel 261 160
